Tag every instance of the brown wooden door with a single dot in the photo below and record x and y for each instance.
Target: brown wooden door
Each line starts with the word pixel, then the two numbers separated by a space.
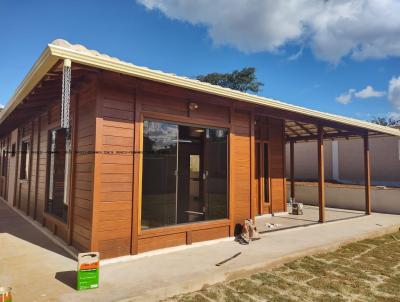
pixel 262 177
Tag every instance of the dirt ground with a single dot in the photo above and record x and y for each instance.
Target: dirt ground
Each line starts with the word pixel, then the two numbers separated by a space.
pixel 367 270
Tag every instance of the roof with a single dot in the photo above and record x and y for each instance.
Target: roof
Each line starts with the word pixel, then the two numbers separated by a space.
pixel 61 49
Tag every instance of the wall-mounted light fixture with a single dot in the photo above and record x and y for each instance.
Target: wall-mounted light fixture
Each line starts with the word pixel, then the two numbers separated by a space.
pixel 193 106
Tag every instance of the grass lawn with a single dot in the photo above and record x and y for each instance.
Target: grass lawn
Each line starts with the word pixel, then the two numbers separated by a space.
pixel 367 270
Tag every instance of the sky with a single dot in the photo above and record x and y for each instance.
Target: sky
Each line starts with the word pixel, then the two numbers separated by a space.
pixel 337 56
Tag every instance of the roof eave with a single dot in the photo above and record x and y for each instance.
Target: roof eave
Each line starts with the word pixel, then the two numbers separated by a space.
pixel 145 73
pixel 53 53
pixel 45 62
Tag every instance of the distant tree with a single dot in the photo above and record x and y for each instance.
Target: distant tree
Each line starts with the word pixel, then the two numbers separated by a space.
pixel 386 121
pixel 243 80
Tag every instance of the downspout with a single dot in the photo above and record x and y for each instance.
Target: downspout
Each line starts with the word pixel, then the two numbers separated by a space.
pixel 65 123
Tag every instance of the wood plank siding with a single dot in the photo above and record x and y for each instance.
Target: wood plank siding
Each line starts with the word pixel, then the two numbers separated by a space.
pixel 108 112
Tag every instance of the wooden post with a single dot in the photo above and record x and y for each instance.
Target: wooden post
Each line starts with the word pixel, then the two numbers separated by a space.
pixel 367 176
pixel 321 174
pixel 292 188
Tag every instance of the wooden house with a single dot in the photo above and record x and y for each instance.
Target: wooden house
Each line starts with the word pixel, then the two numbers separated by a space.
pixel 121 159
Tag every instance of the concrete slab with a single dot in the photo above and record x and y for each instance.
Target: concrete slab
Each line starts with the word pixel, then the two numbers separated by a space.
pixel 38 270
pixel 310 217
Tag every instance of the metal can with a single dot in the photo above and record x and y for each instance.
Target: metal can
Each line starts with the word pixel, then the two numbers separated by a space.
pixel 5 294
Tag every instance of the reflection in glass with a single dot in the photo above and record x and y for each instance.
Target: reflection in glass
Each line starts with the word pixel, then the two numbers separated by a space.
pixel 159 174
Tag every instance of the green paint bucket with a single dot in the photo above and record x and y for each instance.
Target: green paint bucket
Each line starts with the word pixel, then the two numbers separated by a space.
pixel 5 294
pixel 88 270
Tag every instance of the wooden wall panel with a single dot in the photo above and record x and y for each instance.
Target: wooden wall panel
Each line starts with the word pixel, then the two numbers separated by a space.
pixel 23 185
pixel 240 156
pixel 34 168
pixel 160 98
pixel 42 168
pixel 277 174
pixel 163 241
pixel 210 234
pixel 114 194
pixel 82 184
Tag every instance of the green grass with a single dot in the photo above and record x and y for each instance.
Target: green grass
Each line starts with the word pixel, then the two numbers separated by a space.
pixel 367 270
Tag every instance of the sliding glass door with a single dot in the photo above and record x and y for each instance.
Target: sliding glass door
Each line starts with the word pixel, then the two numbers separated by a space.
pixel 184 174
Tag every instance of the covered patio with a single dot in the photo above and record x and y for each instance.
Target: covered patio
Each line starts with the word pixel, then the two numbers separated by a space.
pixel 310 216
pixel 306 129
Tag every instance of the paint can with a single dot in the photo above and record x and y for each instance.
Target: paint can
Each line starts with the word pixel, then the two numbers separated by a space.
pixel 297 208
pixel 5 294
pixel 88 270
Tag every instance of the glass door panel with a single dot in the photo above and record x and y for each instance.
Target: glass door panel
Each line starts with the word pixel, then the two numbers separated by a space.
pixel 216 173
pixel 159 198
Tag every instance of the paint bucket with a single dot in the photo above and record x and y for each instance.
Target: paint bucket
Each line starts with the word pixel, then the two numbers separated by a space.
pixel 88 270
pixel 297 208
pixel 5 294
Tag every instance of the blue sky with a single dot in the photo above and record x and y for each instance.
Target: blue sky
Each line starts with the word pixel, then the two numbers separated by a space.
pixel 174 36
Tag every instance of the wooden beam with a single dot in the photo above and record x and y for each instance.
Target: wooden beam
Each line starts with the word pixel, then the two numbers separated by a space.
pixel 326 136
pixel 298 117
pixel 367 176
pixel 292 131
pixel 292 188
pixel 321 174
pixel 304 128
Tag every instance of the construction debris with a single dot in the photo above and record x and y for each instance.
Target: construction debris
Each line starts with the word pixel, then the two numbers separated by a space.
pixel 249 232
pixel 272 225
pixel 229 259
pixel 297 208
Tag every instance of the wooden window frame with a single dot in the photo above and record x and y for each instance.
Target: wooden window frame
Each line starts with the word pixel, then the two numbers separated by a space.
pixel 161 117
pixel 26 140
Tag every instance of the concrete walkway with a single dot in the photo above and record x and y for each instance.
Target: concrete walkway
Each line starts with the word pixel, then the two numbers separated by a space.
pixel 38 270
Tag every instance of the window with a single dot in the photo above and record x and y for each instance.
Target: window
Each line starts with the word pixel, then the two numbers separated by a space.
pixel 4 166
pixel 184 174
pixel 56 204
pixel 24 169
pixel 13 150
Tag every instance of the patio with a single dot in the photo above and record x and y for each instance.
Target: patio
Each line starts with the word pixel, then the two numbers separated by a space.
pixel 310 216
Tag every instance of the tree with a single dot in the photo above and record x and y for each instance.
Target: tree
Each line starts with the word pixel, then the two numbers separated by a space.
pixel 243 80
pixel 383 121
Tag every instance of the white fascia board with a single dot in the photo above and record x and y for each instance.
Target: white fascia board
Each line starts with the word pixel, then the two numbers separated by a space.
pixel 45 62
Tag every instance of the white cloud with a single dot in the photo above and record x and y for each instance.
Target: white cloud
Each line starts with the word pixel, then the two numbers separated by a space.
pixel 297 55
pixel 394 92
pixel 369 92
pixel 333 29
pixel 345 98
